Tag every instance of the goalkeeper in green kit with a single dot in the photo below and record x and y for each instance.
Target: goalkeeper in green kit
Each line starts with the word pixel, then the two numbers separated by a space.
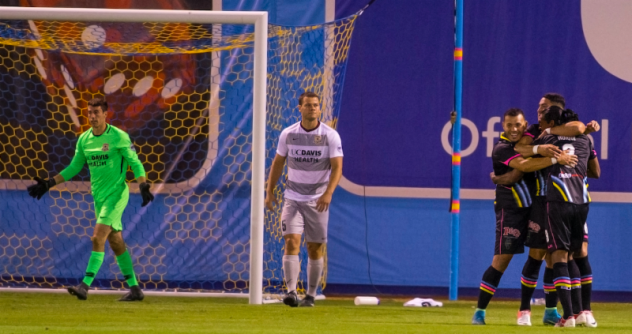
pixel 108 152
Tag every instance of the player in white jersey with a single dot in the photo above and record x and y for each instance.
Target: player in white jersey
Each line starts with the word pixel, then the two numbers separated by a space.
pixel 313 152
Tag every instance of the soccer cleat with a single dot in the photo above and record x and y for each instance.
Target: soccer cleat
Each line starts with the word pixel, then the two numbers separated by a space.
pixel 134 294
pixel 524 318
pixel 551 316
pixel 308 301
pixel 586 319
pixel 81 291
pixel 570 322
pixel 479 317
pixel 291 299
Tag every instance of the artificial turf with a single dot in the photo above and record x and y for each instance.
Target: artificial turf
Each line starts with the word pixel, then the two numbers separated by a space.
pixel 58 313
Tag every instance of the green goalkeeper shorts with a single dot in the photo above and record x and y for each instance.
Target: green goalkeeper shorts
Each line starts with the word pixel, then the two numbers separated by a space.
pixel 110 211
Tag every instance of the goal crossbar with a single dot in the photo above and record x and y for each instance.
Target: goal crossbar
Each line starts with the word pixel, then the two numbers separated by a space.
pixel 260 21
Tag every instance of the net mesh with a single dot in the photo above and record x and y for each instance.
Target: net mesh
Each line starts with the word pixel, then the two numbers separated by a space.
pixel 184 94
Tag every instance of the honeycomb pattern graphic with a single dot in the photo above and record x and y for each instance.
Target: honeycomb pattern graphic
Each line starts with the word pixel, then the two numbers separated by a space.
pixel 149 265
pixel 183 92
pixel 26 260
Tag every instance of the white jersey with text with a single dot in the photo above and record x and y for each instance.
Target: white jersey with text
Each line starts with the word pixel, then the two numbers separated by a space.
pixel 308 154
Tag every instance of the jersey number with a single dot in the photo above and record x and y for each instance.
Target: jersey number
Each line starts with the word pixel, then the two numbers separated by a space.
pixel 569 149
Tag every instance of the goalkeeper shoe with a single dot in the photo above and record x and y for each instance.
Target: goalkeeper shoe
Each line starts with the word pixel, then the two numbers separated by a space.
pixel 479 317
pixel 524 318
pixel 308 301
pixel 291 299
pixel 81 291
pixel 570 322
pixel 134 294
pixel 551 316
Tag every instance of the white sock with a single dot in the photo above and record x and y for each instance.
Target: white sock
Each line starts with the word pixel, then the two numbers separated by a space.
pixel 314 273
pixel 291 267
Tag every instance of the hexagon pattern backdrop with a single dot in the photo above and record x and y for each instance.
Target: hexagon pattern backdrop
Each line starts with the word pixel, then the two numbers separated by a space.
pixel 184 94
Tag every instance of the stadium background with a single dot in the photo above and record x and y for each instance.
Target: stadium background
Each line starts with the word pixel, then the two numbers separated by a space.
pixel 396 101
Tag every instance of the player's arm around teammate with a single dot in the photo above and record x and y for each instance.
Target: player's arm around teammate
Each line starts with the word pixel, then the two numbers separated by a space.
pixel 514 129
pixel 570 129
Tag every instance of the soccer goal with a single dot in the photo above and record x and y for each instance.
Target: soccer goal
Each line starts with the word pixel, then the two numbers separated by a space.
pixel 203 95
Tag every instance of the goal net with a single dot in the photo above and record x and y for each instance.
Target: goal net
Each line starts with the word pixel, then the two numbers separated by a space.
pixel 184 93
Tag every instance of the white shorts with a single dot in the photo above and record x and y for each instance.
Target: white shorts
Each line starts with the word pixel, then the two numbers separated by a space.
pixel 297 216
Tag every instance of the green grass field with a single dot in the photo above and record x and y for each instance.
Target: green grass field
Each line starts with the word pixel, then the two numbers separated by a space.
pixel 59 313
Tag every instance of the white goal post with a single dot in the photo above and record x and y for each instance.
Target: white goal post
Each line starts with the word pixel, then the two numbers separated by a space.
pixel 260 21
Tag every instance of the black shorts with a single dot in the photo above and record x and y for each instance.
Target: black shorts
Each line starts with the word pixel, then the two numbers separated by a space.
pixel 511 230
pixel 565 228
pixel 536 237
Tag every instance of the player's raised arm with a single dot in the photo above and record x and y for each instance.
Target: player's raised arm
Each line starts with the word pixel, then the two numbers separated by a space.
pixel 42 186
pixel 570 129
pixel 592 126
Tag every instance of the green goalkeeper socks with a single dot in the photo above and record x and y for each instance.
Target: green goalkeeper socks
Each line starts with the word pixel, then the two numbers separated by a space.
pixel 96 259
pixel 127 268
pixel 124 261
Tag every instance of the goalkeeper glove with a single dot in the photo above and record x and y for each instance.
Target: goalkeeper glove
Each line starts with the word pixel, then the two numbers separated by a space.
pixel 145 193
pixel 41 187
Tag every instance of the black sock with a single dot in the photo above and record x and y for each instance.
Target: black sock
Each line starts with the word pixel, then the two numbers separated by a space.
pixel 529 280
pixel 562 283
pixel 576 288
pixel 586 280
pixel 550 294
pixel 491 278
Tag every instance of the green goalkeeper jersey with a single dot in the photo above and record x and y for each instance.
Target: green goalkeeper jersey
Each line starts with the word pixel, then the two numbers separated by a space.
pixel 108 156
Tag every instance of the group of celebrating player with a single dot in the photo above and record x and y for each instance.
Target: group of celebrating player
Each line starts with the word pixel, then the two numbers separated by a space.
pixel 541 174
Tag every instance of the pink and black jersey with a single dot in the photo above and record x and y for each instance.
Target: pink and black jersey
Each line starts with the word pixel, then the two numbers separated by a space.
pixel 514 196
pixel 565 183
pixel 539 177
